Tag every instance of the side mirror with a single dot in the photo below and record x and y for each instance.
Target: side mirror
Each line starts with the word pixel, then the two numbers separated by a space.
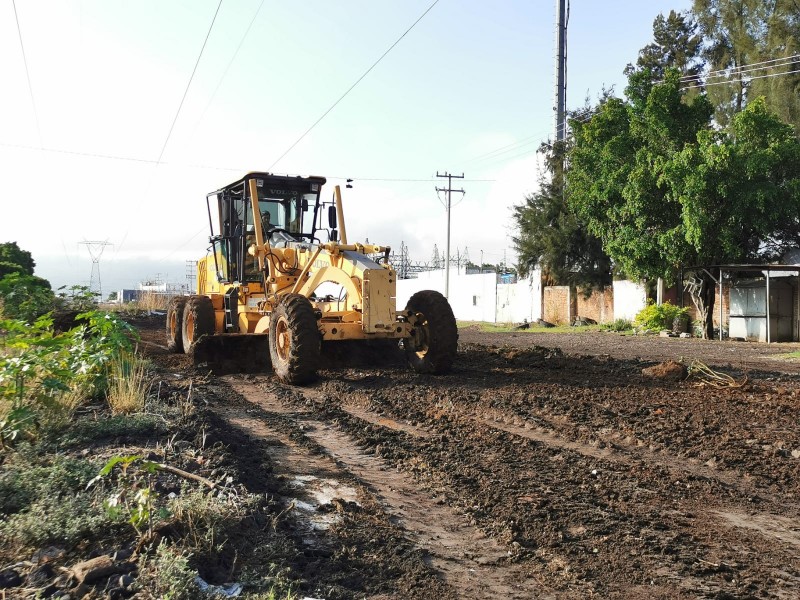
pixel 334 235
pixel 304 205
pixel 332 217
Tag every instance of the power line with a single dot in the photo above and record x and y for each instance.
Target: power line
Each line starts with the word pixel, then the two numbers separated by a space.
pixel 766 64
pixel 186 91
pixel 230 62
pixel 350 89
pixel 27 73
pixel 150 161
pixel 741 80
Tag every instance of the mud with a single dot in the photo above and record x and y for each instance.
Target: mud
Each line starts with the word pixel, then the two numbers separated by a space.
pixel 542 466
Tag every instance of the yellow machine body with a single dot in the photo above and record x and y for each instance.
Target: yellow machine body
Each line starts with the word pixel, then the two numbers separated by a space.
pixel 269 278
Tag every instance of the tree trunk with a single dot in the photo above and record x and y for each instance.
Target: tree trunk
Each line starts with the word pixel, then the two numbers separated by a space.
pixel 702 287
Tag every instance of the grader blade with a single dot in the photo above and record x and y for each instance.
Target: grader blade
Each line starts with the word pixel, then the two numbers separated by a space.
pixel 233 353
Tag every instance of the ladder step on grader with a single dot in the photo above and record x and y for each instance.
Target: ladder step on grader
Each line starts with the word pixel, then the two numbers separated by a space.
pixel 280 281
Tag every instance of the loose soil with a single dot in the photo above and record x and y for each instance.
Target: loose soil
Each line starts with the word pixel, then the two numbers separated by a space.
pixel 543 465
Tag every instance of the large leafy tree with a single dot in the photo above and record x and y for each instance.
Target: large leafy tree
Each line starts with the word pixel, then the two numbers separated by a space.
pixel 662 189
pixel 739 192
pixel 551 236
pixel 616 169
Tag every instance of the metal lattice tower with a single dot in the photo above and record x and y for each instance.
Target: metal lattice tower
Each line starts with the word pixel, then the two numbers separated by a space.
pixel 191 274
pixel 95 252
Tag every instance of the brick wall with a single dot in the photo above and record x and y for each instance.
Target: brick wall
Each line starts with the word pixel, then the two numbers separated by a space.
pixel 599 306
pixel 557 299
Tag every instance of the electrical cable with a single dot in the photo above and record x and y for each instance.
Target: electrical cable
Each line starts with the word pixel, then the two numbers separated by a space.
pixel 350 89
pixel 227 68
pixel 741 80
pixel 27 73
pixel 186 91
pixel 744 68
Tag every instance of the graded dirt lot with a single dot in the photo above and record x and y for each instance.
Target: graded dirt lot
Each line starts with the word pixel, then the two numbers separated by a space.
pixel 543 466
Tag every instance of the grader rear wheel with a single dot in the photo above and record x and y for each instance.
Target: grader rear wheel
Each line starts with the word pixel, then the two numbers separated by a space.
pixel 294 340
pixel 175 323
pixel 433 345
pixel 198 320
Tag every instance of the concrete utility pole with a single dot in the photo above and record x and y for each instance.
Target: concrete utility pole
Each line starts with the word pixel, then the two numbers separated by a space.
pixel 562 13
pixel 449 190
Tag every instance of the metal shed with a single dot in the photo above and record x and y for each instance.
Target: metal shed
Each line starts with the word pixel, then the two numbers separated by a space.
pixel 770 321
pixel 749 309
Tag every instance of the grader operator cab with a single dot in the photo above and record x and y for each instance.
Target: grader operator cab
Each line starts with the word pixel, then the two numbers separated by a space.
pixel 280 278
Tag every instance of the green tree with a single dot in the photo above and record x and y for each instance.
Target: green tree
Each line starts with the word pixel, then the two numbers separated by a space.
pixel 662 189
pixel 676 45
pixel 745 37
pixel 7 268
pixel 552 237
pixel 739 192
pixel 781 40
pixel 10 252
pixel 25 297
pixel 616 165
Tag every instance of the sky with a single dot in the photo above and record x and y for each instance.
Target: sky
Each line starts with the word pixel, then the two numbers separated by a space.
pixel 112 135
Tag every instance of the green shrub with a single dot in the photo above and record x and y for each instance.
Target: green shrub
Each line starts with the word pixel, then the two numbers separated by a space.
pixel 25 297
pixel 618 325
pixel 657 317
pixel 41 371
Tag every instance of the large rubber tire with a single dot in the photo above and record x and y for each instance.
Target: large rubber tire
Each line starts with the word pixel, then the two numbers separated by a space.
pixel 198 320
pixel 175 310
pixel 432 347
pixel 294 340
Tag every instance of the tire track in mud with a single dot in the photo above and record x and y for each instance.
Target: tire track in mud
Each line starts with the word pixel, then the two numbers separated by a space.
pixel 471 563
pixel 687 526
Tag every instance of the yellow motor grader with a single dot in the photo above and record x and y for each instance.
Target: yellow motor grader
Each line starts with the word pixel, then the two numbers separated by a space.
pixel 271 286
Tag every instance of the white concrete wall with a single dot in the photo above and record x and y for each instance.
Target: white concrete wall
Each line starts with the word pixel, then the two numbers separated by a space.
pixel 519 301
pixel 478 297
pixel 629 298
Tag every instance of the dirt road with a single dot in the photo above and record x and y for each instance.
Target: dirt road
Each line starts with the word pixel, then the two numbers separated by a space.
pixel 526 473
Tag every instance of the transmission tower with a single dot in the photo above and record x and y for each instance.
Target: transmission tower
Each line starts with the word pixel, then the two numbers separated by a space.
pixel 435 259
pixel 191 274
pixel 95 252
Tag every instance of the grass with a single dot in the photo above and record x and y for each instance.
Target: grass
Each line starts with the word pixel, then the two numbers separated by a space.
pixel 91 432
pixel 128 384
pixel 534 328
pixel 788 355
pixel 43 500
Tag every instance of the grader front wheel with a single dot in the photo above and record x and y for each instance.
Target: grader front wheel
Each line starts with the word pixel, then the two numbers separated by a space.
pixel 433 345
pixel 175 323
pixel 294 340
pixel 198 320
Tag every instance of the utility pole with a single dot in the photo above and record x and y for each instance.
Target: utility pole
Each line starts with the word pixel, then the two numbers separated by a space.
pixel 449 190
pixel 95 252
pixel 560 108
